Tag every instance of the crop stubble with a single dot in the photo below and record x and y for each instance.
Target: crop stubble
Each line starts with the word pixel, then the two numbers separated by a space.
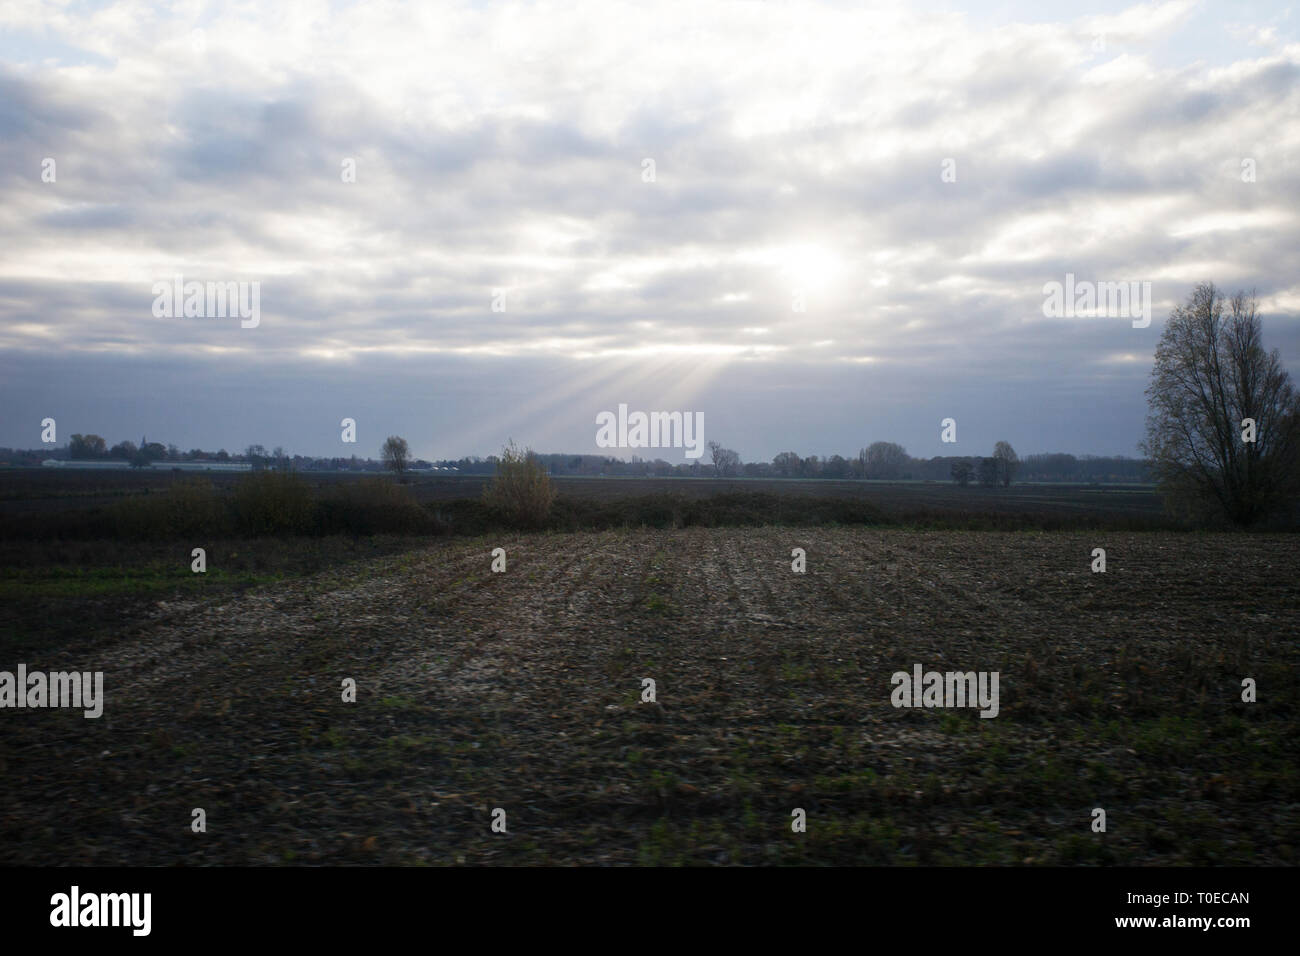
pixel 522 690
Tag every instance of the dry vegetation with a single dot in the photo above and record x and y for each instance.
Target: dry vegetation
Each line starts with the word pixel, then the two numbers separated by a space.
pixel 521 690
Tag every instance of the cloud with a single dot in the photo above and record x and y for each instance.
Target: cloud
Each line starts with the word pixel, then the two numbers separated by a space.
pixel 501 147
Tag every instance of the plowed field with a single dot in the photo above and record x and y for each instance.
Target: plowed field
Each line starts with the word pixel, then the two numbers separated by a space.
pixel 522 691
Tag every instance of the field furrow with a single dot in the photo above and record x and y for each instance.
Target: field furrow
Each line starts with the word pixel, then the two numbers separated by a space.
pixel 524 690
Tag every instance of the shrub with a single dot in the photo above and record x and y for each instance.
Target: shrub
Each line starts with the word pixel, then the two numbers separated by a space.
pixel 521 492
pixel 373 506
pixel 271 502
pixel 187 507
pixel 192 505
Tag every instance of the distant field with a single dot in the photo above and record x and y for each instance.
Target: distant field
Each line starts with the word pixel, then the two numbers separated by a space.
pixel 33 490
pixel 521 690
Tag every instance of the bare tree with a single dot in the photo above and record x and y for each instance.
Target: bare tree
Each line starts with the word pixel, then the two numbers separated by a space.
pixel 725 461
pixel 395 454
pixel 733 462
pixel 883 459
pixel 1007 461
pixel 1223 426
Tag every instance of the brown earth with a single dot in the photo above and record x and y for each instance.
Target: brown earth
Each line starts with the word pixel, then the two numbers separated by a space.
pixel 521 690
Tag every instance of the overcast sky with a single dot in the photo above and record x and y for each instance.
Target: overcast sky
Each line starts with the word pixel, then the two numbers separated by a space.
pixel 798 150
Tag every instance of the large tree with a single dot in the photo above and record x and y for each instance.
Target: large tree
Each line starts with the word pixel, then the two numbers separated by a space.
pixel 1211 375
pixel 87 446
pixel 787 464
pixel 961 471
pixel 395 454
pixel 1007 461
pixel 726 462
pixel 837 466
pixel 883 459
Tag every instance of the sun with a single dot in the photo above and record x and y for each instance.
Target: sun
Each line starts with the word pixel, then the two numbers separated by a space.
pixel 810 267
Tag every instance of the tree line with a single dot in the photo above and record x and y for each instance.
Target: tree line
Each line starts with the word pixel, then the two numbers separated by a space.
pixel 886 461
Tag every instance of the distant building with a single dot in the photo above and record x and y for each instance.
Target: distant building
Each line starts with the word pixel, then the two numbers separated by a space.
pixel 153 465
pixel 200 466
pixel 79 464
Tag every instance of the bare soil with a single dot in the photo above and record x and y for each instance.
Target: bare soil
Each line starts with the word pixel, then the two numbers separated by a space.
pixel 522 691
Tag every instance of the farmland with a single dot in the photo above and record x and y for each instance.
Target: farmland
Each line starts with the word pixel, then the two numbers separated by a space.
pixel 46 491
pixel 522 690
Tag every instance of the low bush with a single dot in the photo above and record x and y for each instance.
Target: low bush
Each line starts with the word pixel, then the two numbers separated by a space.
pixel 272 502
pixel 188 507
pixel 372 506
pixel 521 497
pixel 521 492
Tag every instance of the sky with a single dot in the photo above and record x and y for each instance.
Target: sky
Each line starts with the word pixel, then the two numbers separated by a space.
pixel 817 224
